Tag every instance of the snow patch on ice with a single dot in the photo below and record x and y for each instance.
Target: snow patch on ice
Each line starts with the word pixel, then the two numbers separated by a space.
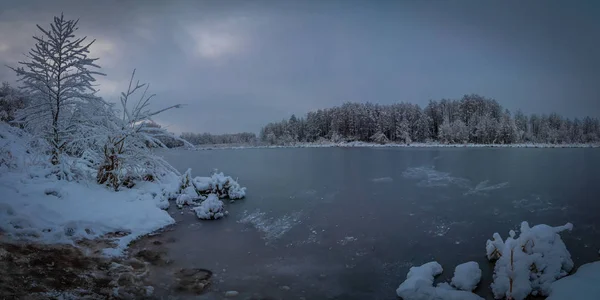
pixel 484 187
pixel 429 177
pixel 535 203
pixel 271 228
pixel 382 180
pixel 346 240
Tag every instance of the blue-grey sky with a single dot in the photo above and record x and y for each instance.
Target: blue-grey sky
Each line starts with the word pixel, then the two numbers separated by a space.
pixel 240 64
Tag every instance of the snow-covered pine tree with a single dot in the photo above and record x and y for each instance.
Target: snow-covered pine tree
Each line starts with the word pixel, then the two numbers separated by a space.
pixel 58 77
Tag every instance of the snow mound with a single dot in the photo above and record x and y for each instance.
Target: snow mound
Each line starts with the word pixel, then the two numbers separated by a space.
pixel 419 285
pixel 530 263
pixel 583 285
pixel 466 276
pixel 211 209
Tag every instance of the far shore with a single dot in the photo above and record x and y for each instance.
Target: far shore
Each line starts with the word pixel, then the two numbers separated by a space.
pixel 391 145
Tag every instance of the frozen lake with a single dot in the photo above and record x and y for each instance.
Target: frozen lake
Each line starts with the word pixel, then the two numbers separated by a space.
pixel 347 223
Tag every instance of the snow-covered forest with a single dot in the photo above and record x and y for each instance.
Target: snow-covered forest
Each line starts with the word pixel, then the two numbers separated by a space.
pixel 472 119
pixel 213 139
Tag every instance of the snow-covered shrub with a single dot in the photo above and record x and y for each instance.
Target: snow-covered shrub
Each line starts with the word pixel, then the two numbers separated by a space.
pixel 530 263
pixel 211 209
pixel 220 185
pixel 419 285
pixel 126 146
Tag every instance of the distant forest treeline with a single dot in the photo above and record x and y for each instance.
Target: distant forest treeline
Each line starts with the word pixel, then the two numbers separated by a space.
pixel 212 139
pixel 472 119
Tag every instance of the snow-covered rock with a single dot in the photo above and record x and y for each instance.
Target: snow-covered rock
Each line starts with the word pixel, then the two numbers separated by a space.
pixel 583 285
pixel 419 285
pixel 466 276
pixel 211 209
pixel 530 263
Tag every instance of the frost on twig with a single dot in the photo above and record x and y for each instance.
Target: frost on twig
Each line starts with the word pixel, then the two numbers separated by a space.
pixel 126 152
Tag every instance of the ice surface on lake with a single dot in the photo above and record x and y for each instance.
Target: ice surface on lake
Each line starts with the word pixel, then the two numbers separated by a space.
pixel 484 187
pixel 271 228
pixel 382 180
pixel 429 177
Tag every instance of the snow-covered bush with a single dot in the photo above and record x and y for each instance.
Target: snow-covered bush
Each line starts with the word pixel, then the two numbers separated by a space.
pixel 530 263
pixel 211 209
pixel 220 185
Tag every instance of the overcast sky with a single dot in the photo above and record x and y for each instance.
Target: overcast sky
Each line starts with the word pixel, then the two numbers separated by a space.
pixel 240 64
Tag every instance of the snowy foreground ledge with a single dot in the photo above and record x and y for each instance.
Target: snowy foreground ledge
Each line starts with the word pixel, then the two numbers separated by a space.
pixel 536 263
pixel 35 206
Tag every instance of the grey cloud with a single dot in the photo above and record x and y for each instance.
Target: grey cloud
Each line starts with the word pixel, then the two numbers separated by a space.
pixel 240 64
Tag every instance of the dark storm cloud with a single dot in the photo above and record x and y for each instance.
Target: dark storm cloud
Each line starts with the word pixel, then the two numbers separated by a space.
pixel 240 64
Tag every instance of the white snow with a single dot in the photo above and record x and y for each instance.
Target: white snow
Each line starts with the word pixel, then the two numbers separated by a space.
pixel 220 185
pixel 211 209
pixel 530 263
pixel 36 206
pixel 583 285
pixel 81 210
pixel 466 276
pixel 419 285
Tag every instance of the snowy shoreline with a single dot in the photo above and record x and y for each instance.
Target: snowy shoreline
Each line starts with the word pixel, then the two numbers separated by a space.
pixel 393 145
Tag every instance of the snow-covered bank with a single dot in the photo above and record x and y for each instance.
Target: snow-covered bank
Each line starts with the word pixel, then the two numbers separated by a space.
pixel 392 145
pixel 36 206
